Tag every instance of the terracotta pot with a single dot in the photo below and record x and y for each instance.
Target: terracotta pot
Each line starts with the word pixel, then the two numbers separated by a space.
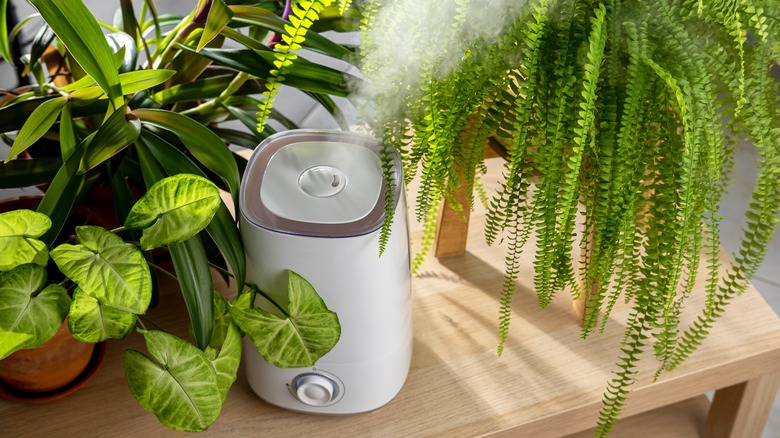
pixel 49 367
pixel 62 364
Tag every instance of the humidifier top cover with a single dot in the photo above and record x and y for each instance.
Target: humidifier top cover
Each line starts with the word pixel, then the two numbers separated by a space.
pixel 324 183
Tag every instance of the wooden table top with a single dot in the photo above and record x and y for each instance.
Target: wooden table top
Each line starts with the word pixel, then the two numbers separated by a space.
pixel 549 382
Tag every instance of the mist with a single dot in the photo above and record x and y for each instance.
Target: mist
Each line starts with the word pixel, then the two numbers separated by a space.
pixel 411 42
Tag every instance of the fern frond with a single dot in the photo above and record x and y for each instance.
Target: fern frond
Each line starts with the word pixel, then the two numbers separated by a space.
pixel 304 14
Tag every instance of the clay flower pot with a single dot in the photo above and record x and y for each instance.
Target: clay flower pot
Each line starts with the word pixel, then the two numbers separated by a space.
pixel 49 367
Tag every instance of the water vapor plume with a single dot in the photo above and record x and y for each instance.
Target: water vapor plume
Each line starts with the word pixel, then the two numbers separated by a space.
pixel 408 43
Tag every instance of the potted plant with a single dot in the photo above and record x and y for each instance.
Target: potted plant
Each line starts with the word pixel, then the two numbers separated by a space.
pixel 630 108
pixel 141 110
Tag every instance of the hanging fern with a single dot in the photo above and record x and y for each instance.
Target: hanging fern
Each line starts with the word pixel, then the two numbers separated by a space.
pixel 304 14
pixel 619 119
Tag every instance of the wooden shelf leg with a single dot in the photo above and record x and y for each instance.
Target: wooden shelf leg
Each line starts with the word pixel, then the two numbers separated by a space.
pixel 740 411
pixel 452 233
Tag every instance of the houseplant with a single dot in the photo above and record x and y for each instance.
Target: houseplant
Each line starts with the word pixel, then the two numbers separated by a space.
pixel 141 110
pixel 630 108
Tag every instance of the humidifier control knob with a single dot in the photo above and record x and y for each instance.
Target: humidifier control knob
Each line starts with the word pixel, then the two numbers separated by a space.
pixel 315 389
pixel 322 181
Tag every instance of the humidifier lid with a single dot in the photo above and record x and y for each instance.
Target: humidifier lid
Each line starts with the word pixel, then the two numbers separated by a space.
pixel 322 183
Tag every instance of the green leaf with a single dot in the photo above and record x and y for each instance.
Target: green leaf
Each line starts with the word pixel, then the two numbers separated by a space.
pixel 225 348
pixel 68 141
pixel 107 268
pixel 19 233
pixel 28 316
pixel 5 48
pixel 219 17
pixel 59 199
pixel 131 82
pixel 299 340
pixel 174 209
pixel 206 88
pixel 193 272
pixel 222 228
pixel 304 75
pixel 181 389
pixel 263 18
pixel 74 24
pixel 38 124
pixel 204 145
pixel 115 134
pixel 91 321
pixel 24 173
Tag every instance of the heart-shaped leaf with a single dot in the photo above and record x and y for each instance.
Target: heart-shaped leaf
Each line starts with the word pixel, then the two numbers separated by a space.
pixel 19 233
pixel 174 209
pixel 29 316
pixel 181 389
pixel 298 340
pixel 107 268
pixel 200 141
pixel 91 321
pixel 225 348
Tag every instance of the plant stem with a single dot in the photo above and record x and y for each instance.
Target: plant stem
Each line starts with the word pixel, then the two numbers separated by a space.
pixel 276 37
pixel 272 301
pixel 222 271
pixel 163 271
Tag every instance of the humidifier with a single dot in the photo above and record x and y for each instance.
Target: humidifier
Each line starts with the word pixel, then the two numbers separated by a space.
pixel 314 202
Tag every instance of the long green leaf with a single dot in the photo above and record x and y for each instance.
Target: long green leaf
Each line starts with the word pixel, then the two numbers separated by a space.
pixel 181 389
pixel 204 145
pixel 38 124
pixel 91 321
pixel 304 75
pixel 207 88
pixel 67 133
pixel 23 173
pixel 28 316
pixel 219 17
pixel 77 28
pixel 298 340
pixel 131 82
pixel 16 112
pixel 5 47
pixel 118 132
pixel 174 209
pixel 59 199
pixel 19 233
pixel 193 272
pixel 107 268
pixel 222 227
pixel 261 17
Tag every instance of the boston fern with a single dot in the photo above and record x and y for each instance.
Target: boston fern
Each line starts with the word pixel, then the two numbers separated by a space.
pixel 630 109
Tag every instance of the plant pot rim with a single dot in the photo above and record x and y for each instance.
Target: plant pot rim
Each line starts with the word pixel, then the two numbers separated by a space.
pixel 16 395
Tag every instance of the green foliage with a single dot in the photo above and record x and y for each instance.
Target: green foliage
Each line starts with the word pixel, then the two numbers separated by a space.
pixel 140 108
pixel 300 336
pixel 304 14
pixel 181 388
pixel 31 312
pixel 616 117
pixel 174 209
pixel 19 233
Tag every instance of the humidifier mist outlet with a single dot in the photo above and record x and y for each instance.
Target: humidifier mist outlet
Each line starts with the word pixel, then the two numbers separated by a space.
pixel 314 202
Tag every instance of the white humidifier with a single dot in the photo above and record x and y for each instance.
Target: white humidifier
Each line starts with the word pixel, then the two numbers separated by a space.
pixel 314 202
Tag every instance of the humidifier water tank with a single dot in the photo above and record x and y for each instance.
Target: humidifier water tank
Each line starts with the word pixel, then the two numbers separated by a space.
pixel 314 202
